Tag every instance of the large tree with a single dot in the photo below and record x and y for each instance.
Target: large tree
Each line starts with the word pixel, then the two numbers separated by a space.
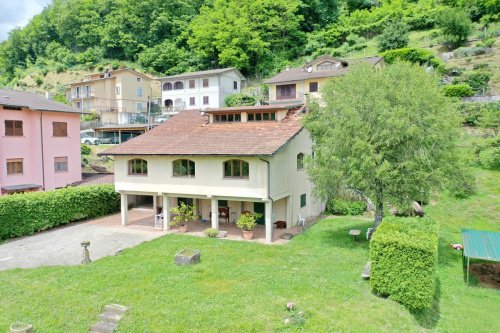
pixel 387 133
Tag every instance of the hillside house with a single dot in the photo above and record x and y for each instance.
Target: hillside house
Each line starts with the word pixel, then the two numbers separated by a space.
pixel 293 85
pixel 39 143
pixel 240 158
pixel 119 96
pixel 199 90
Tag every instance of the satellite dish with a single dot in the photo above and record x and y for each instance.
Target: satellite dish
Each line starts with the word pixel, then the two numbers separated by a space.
pixel 309 69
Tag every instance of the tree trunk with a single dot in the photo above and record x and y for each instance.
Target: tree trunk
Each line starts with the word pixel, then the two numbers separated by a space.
pixel 379 208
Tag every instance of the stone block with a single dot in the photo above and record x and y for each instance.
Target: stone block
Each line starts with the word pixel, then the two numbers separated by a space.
pixel 187 257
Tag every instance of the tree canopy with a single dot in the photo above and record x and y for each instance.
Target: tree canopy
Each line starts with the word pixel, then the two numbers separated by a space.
pixel 388 133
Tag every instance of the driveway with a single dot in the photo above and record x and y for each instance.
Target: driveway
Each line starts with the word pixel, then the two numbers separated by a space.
pixel 61 246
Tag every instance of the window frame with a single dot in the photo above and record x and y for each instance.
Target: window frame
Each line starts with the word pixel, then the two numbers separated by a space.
pixel 206 100
pixel 13 164
pixel 313 86
pixel 241 168
pixel 58 130
pixel 167 86
pixel 300 161
pixel 227 118
pixel 260 116
pixel 178 85
pixel 118 90
pixel 192 84
pixel 303 200
pixel 139 92
pixel 14 130
pixel 192 101
pixel 58 161
pixel 235 85
pixel 286 91
pixel 206 83
pixel 190 166
pixel 131 166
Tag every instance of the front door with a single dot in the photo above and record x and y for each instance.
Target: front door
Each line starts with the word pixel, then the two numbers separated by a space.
pixel 260 208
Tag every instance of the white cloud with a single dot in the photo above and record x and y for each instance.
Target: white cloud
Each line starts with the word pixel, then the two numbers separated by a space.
pixel 17 13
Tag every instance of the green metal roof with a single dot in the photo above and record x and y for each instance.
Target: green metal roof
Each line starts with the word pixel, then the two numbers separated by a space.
pixel 480 244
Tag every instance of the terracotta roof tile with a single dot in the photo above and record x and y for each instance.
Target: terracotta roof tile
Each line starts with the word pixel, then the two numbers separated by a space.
pixel 188 133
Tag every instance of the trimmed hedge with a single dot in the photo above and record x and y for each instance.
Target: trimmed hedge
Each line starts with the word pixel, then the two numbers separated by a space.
pixel 458 90
pixel 25 214
pixel 346 207
pixel 403 254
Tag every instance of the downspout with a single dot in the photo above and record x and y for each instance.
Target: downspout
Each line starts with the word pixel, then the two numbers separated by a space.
pixel 43 157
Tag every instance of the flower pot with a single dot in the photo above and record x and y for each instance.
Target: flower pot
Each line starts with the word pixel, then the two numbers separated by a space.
pixel 247 234
pixel 183 228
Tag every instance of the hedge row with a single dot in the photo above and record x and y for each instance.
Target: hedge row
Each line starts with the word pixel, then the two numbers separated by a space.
pixel 24 214
pixel 346 207
pixel 403 254
pixel 414 55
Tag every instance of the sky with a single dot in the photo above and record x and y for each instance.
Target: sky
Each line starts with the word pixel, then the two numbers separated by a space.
pixel 17 13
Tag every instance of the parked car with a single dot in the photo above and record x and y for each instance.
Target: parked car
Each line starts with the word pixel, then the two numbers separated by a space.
pixel 110 140
pixel 90 140
pixel 163 118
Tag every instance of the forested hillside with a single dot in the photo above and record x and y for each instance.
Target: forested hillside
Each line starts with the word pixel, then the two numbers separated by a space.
pixel 259 37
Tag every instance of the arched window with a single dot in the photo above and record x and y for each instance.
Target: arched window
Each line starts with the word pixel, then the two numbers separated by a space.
pixel 169 103
pixel 300 161
pixel 184 168
pixel 138 167
pixel 236 169
pixel 167 86
pixel 178 85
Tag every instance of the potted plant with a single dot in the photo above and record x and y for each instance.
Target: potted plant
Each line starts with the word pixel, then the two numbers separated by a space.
pixel 182 215
pixel 247 223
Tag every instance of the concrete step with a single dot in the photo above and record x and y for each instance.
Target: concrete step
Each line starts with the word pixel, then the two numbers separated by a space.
pixel 103 327
pixel 110 317
pixel 116 308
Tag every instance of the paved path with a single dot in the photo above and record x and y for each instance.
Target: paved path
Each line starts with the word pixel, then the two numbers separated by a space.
pixel 61 246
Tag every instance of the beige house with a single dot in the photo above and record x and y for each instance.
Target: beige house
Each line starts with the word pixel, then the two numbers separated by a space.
pixel 294 84
pixel 238 159
pixel 119 96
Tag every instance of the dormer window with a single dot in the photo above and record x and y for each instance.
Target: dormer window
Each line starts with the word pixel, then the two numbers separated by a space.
pixel 326 66
pixel 261 116
pixel 227 118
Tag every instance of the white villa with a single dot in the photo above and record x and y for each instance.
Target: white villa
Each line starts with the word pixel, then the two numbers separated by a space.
pixel 240 158
pixel 199 90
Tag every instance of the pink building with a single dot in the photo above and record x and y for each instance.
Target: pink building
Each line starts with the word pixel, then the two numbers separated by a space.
pixel 39 143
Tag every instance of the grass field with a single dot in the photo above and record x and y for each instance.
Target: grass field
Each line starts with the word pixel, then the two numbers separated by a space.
pixel 244 287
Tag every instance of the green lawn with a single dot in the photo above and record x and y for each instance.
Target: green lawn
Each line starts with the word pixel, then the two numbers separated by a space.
pixel 244 287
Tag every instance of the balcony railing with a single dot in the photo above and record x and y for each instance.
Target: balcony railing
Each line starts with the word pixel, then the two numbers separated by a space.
pixel 82 94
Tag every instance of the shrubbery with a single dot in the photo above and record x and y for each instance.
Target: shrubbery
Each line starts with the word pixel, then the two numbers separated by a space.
pixel 487 152
pixel 403 254
pixel 413 55
pixel 24 214
pixel 463 52
pixel 240 100
pixel 478 81
pixel 458 90
pixel 346 207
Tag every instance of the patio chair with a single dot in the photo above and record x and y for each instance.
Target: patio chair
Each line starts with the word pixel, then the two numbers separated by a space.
pixel 302 221
pixel 224 213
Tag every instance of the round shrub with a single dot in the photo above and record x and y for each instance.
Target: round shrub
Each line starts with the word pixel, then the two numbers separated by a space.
pixel 458 90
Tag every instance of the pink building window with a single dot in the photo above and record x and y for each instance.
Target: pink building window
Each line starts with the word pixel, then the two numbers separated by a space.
pixel 59 129
pixel 60 164
pixel 13 128
pixel 15 166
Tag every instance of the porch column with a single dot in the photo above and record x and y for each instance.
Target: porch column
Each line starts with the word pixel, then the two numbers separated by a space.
pixel 215 213
pixel 124 208
pixel 155 205
pixel 290 222
pixel 269 221
pixel 166 212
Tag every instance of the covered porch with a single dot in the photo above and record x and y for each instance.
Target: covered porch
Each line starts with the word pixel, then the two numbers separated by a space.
pixel 221 214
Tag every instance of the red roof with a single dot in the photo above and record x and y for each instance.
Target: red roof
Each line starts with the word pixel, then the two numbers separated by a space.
pixel 189 133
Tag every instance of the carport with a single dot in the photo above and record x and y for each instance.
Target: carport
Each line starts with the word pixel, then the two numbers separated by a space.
pixel 479 244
